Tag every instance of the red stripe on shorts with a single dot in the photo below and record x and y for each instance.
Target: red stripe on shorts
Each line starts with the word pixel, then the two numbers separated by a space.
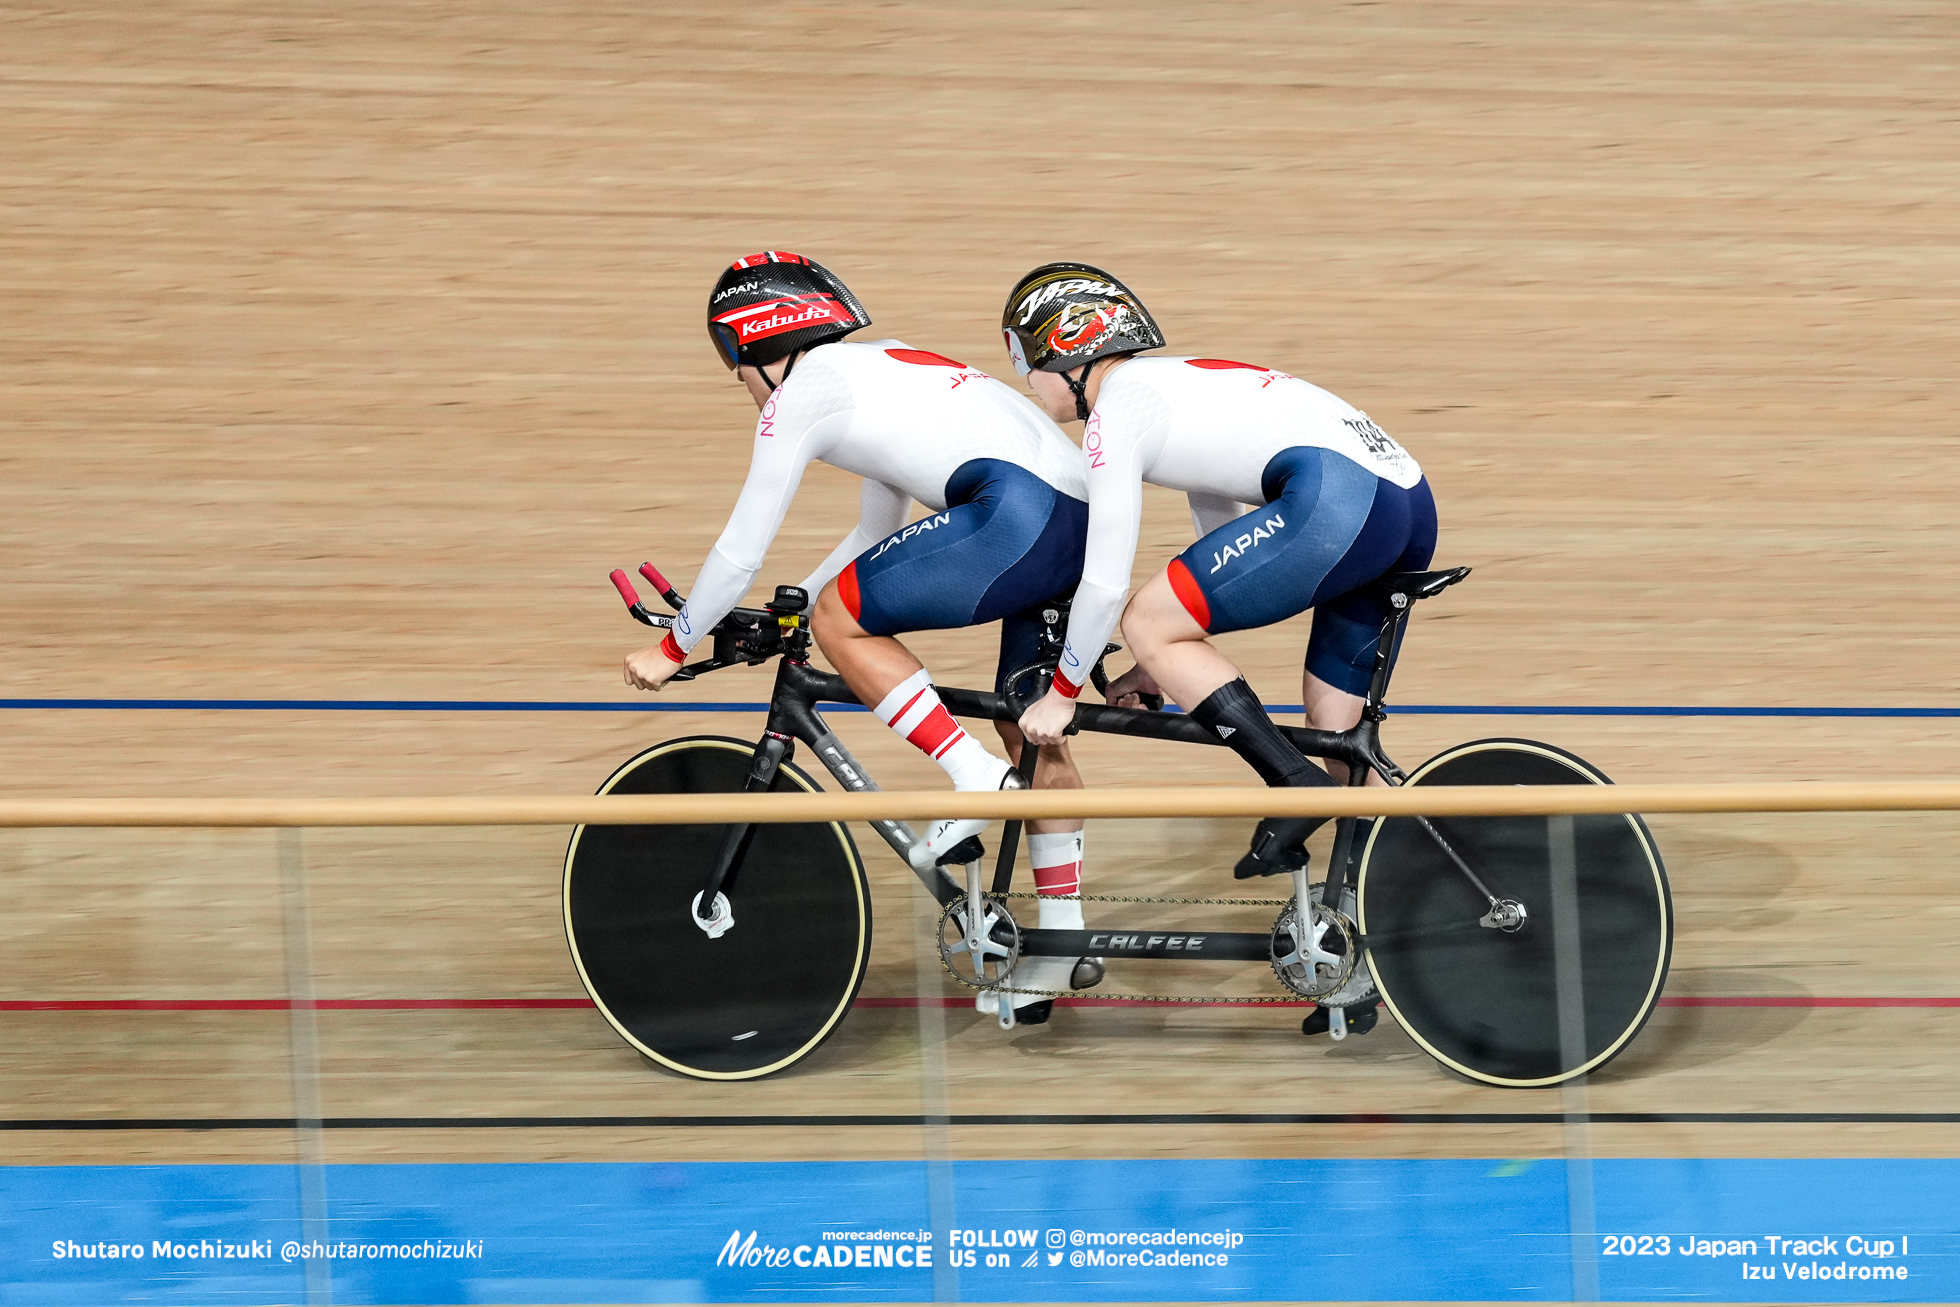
pixel 847 589
pixel 1185 587
pixel 935 732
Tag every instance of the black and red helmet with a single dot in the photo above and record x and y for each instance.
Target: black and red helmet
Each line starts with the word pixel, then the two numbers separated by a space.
pixel 769 305
pixel 1063 315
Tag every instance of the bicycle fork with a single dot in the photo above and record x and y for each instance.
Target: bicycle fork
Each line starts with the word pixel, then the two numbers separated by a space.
pixel 713 912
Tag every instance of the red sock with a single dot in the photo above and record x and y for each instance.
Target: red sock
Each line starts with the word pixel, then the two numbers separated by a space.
pixel 914 711
pixel 1057 863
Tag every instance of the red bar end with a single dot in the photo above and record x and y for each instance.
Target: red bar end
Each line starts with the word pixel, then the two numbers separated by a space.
pixel 624 586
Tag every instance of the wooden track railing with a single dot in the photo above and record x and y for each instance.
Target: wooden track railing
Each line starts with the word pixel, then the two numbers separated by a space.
pixel 909 805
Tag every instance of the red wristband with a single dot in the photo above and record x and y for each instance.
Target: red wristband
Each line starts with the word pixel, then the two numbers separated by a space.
pixel 1063 687
pixel 671 650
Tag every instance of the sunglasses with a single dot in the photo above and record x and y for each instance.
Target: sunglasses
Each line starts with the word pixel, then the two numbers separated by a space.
pixel 727 344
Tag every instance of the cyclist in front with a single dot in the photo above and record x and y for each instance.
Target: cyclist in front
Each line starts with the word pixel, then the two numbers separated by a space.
pixel 1004 532
pixel 1338 504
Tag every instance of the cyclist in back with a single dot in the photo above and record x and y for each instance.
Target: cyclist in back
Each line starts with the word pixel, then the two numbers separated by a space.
pixel 1339 504
pixel 1004 533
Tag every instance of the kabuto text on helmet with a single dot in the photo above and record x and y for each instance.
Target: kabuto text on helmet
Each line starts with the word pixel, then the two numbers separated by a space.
pixel 770 305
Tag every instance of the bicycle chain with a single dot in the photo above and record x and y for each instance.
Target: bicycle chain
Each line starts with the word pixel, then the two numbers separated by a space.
pixel 1142 898
pixel 1253 1000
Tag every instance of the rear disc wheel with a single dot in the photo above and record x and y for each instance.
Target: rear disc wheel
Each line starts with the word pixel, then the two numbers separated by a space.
pixel 1487 1002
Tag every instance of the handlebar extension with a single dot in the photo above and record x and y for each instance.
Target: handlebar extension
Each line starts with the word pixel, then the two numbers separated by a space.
pixel 746 635
pixel 661 588
pixel 633 604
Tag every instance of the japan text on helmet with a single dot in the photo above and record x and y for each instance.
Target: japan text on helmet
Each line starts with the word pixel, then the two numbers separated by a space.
pixel 1063 315
pixel 770 305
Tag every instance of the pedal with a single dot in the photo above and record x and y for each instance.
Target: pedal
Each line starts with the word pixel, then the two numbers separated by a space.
pixel 1087 973
pixel 966 851
pixel 1355 1019
pixel 1028 1014
pixel 1267 856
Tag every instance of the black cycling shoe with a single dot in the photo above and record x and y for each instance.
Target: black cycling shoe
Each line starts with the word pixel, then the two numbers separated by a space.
pixel 1035 1014
pixel 967 850
pixel 1361 1018
pixel 1278 848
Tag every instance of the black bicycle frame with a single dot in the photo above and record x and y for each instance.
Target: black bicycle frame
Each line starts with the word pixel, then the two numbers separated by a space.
pixel 794 716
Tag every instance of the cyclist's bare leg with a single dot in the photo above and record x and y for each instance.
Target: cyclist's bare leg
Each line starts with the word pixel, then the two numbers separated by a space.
pixel 1055 862
pixel 1054 769
pixel 1171 645
pixel 887 679
pixel 872 665
pixel 1332 709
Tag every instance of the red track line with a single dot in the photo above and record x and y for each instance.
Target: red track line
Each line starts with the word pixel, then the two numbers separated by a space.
pixel 1080 1000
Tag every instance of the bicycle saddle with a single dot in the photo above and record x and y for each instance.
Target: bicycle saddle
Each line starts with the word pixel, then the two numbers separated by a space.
pixel 1419 585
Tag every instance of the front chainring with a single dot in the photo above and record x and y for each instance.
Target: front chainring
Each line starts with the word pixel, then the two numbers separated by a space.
pixel 1316 962
pixel 994 962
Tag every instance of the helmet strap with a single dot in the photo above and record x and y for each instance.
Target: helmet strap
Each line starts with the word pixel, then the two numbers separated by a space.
pixel 1080 389
pixel 789 363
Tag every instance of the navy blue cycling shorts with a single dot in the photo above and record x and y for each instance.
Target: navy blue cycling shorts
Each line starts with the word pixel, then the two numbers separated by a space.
pixel 1006 542
pixel 1329 526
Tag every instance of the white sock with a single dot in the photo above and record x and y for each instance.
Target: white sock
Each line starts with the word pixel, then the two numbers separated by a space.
pixel 1057 863
pixel 915 712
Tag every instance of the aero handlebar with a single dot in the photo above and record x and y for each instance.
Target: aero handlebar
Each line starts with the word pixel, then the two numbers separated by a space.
pixel 746 636
pixel 753 636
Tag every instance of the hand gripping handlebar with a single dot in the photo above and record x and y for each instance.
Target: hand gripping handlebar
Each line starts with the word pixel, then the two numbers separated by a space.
pixel 746 636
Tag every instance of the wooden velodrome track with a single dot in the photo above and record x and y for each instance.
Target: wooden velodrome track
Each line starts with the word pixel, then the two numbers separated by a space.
pixel 347 345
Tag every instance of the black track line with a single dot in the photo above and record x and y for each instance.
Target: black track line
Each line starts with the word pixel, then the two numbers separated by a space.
pixel 979 1119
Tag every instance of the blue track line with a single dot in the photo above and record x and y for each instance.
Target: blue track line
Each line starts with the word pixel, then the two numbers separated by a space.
pixel 711 706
